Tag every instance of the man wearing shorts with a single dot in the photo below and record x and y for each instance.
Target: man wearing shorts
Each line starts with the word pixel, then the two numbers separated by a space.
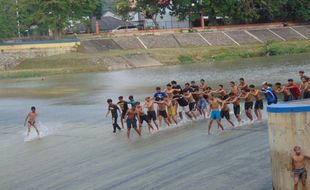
pixel 124 107
pixel 31 120
pixel 234 99
pixel 248 103
pixel 151 113
pixel 182 105
pixel 259 105
pixel 131 121
pixel 225 112
pixel 142 117
pixel 162 113
pixel 113 109
pixel 298 168
pixel 215 113
pixel 293 88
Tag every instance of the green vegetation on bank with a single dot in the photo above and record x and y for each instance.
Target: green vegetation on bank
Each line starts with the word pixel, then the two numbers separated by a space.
pixel 83 62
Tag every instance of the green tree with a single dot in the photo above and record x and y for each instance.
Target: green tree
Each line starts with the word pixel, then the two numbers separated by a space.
pixel 124 9
pixel 56 14
pixel 8 19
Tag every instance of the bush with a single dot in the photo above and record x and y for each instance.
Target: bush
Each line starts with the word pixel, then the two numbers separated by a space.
pixel 185 59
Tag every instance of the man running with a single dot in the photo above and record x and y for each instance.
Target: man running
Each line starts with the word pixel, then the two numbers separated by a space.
pixel 234 99
pixel 131 121
pixel 31 120
pixel 259 104
pixel 215 113
pixel 248 103
pixel 143 117
pixel 113 109
pixel 225 112
pixel 182 105
pixel 162 113
pixel 124 107
pixel 151 113
pixel 298 168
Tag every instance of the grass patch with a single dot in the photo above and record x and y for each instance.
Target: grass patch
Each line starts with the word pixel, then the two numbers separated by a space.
pixel 184 59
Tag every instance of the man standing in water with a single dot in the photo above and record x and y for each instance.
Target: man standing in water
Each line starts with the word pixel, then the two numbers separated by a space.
pixel 215 113
pixel 248 103
pixel 131 121
pixel 151 113
pixel 298 168
pixel 259 105
pixel 124 107
pixel 31 119
pixel 143 117
pixel 113 109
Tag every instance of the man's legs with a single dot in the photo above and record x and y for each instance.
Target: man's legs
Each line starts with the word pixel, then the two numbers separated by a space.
pixel 209 126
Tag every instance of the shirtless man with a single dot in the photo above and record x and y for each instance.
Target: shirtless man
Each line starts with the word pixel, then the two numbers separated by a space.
pixel 215 109
pixel 143 117
pixel 234 99
pixel 259 105
pixel 171 111
pixel 221 91
pixel 203 85
pixel 302 74
pixel 131 121
pixel 31 120
pixel 248 103
pixel 162 113
pixel 298 168
pixel 202 105
pixel 225 112
pixel 234 88
pixel 242 84
pixel 191 103
pixel 305 87
pixel 286 93
pixel 151 113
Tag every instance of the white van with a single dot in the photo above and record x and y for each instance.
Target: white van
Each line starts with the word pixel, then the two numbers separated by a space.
pixel 125 29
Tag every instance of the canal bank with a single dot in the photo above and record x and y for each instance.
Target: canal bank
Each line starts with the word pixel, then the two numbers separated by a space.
pixel 128 59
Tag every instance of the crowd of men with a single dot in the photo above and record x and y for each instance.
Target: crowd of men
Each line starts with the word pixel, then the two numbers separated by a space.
pixel 174 103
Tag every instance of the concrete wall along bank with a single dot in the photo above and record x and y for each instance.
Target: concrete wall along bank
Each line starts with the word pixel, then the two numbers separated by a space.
pixel 289 125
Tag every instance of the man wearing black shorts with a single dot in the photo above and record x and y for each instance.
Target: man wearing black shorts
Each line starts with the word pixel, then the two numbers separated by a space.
pixel 143 117
pixel 248 103
pixel 113 109
pixel 124 107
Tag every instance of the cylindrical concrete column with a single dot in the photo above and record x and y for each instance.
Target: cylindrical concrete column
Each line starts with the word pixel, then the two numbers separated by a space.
pixel 289 125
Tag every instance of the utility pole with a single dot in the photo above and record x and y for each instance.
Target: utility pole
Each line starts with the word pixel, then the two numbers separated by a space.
pixel 18 23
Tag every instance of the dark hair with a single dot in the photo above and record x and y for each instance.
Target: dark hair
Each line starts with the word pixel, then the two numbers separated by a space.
pixel 252 86
pixel 270 85
pixel 278 84
pixel 221 85
pixel 173 82
pixel 33 108
pixel 241 79
pixel 232 82
pixel 193 81
pixel 109 100
pixel 168 85
pixel 290 80
pixel 158 88
pixel 120 97
pixel 130 97
pixel 202 80
pixel 302 72
pixel 187 83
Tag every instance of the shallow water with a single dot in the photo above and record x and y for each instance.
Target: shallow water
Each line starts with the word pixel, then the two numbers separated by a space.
pixel 79 150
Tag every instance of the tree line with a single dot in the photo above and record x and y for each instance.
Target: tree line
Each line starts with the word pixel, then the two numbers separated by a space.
pixel 21 16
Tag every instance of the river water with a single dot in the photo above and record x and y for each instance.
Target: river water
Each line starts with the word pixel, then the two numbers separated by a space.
pixel 79 151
